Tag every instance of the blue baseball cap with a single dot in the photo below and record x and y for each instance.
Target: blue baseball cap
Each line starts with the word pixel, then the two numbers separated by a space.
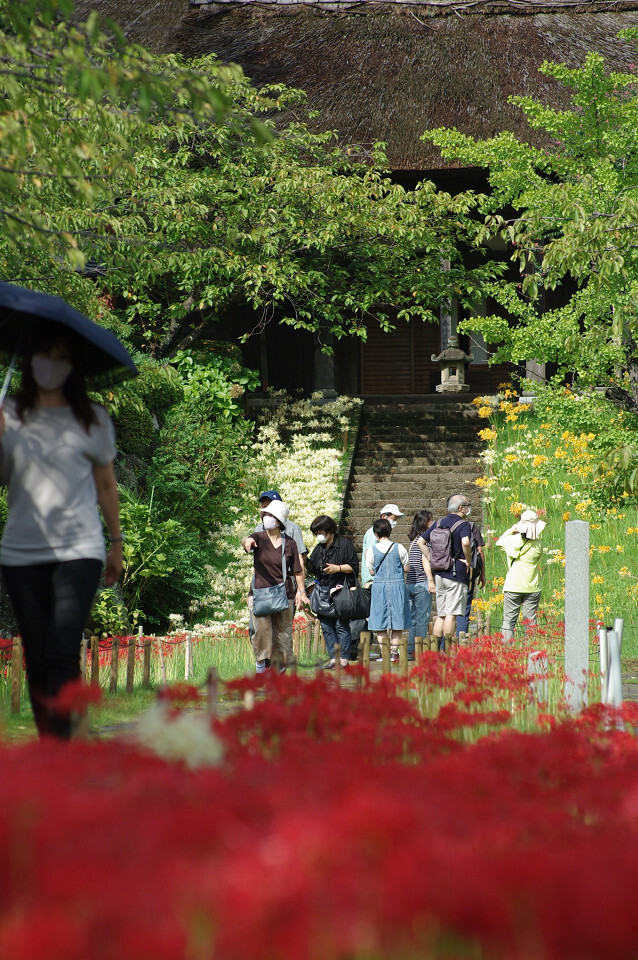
pixel 269 495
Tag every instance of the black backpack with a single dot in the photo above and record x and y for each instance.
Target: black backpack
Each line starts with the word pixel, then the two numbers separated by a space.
pixel 477 560
pixel 441 557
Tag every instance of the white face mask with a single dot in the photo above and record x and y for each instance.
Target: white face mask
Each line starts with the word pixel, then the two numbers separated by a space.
pixel 269 523
pixel 468 511
pixel 392 523
pixel 49 374
pixel 321 538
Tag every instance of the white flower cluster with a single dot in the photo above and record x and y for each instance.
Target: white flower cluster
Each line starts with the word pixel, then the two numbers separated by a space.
pixel 307 471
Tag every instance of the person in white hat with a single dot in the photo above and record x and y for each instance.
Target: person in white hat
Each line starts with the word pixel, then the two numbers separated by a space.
pixel 273 631
pixel 521 590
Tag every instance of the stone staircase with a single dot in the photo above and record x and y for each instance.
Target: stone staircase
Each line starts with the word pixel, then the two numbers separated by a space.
pixel 415 455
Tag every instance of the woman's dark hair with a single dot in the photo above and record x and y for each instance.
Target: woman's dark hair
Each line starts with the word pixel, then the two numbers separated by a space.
pixel 420 523
pixel 74 388
pixel 382 528
pixel 323 524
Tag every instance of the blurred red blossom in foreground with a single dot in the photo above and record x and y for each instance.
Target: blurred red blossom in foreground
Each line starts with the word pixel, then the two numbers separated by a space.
pixel 341 826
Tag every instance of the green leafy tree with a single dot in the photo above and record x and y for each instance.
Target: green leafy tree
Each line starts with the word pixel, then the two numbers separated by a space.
pixel 187 207
pixel 572 222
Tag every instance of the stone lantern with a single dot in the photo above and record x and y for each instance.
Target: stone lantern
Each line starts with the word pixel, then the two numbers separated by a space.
pixel 452 361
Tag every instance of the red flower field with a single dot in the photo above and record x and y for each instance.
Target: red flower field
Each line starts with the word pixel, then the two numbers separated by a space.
pixel 341 825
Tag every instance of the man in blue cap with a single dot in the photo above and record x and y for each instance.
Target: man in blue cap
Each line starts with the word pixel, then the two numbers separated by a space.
pixel 291 529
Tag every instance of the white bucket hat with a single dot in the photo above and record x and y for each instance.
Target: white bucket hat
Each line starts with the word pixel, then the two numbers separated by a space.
pixel 530 525
pixel 277 509
pixel 391 508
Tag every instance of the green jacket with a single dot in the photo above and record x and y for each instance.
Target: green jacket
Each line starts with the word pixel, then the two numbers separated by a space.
pixel 523 557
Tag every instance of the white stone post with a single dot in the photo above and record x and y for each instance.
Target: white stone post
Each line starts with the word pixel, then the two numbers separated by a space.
pixel 576 613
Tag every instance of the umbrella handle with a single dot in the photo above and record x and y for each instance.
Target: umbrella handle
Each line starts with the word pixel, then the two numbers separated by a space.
pixel 7 380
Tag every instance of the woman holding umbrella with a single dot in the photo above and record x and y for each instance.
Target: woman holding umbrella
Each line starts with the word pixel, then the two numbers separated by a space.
pixel 56 454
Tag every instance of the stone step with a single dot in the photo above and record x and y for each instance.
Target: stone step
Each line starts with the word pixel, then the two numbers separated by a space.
pixel 408 474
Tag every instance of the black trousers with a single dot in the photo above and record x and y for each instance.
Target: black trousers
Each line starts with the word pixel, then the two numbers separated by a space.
pixel 51 602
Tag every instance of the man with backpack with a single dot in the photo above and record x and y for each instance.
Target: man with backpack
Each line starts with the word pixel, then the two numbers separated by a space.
pixel 446 546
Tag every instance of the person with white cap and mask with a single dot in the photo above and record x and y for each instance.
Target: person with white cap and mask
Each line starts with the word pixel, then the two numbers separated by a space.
pixel 521 590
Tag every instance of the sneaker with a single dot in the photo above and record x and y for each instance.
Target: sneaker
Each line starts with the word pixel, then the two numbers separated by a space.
pixel 411 656
pixel 329 666
pixel 344 663
pixel 394 658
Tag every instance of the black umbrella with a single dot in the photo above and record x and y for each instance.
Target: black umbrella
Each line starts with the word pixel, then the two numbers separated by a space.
pixel 26 314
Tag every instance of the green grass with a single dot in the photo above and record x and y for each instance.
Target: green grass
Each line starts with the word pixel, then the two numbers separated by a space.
pixel 230 654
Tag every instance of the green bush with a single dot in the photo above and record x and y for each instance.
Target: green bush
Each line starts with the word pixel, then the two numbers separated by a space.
pixel 134 426
pixel 159 387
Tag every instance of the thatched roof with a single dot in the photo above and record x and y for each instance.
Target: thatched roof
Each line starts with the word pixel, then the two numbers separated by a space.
pixel 390 70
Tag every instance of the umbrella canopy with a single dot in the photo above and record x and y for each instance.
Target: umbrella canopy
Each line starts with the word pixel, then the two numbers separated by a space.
pixel 27 315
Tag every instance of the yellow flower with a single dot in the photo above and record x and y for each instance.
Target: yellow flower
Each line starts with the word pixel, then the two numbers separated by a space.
pixel 567 486
pixel 604 549
pixel 619 548
pixel 583 505
pixel 524 407
pixel 566 515
pixel 539 459
pixel 488 434
pixel 511 418
pixel 559 453
pixel 598 579
pixel 516 507
pixel 485 411
pixel 511 458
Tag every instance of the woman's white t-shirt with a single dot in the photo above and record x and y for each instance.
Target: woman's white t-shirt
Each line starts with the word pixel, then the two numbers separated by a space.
pixel 384 546
pixel 47 465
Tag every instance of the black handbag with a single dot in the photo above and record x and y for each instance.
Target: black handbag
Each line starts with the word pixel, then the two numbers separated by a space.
pixel 352 603
pixel 321 602
pixel 269 600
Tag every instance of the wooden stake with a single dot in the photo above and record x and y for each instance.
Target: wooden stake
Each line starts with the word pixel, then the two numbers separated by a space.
pixel 146 671
pixel 188 656
pixel 296 641
pixel 115 663
pixel 83 658
pixel 95 661
pixel 161 662
pixel 418 647
pixel 403 656
pixel 337 656
pixel 130 665
pixel 309 639
pixel 385 655
pixel 488 624
pixel 212 693
pixel 16 674
pixel 364 640
pixel 316 637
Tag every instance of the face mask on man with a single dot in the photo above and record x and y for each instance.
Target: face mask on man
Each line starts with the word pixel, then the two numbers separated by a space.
pixel 392 523
pixel 468 511
pixel 49 374
pixel 269 523
pixel 321 538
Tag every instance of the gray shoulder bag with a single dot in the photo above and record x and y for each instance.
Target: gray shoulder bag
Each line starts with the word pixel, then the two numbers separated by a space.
pixel 268 600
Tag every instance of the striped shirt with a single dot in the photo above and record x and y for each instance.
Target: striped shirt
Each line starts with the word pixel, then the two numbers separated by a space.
pixel 417 574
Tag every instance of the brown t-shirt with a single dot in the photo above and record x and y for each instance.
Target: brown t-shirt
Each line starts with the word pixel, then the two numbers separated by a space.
pixel 267 561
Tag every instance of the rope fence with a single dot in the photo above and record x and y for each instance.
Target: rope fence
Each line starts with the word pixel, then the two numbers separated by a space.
pixel 113 662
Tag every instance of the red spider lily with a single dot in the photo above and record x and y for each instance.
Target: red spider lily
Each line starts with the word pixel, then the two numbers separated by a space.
pixel 75 696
